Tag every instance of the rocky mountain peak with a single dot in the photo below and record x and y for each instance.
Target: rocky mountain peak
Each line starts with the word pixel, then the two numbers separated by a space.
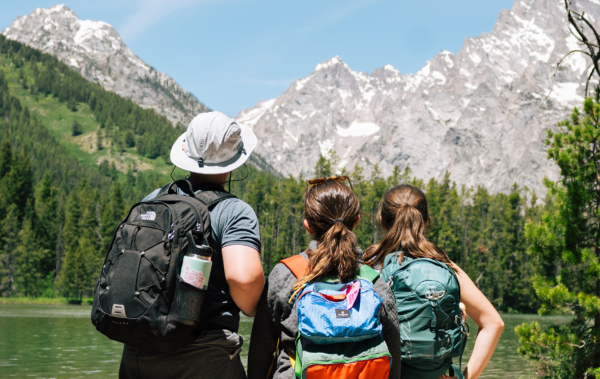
pixel 96 50
pixel 480 114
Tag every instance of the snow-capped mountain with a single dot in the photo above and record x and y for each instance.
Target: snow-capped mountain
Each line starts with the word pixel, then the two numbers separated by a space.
pixel 478 114
pixel 96 50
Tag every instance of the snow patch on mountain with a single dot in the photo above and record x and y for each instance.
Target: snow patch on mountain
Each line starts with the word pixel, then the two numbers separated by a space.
pixel 358 129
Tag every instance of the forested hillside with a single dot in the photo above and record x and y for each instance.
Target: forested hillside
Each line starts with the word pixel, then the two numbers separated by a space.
pixel 58 206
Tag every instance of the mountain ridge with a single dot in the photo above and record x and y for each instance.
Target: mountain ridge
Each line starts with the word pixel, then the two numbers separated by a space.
pixel 95 49
pixel 477 114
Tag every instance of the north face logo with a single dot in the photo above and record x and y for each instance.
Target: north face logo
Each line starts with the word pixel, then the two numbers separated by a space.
pixel 148 216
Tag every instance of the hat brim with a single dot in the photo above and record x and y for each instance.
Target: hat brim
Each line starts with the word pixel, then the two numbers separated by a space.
pixel 181 160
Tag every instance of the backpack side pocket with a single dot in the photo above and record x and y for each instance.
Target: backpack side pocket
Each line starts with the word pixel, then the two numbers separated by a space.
pixel 187 304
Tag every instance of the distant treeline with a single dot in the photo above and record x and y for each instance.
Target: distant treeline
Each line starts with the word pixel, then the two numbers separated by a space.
pixel 482 232
pixel 57 216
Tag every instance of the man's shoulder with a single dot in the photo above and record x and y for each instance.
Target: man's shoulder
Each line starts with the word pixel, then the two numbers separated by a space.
pixel 227 206
pixel 234 206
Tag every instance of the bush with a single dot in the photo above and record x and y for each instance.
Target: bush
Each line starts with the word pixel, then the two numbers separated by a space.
pixel 72 105
pixel 76 129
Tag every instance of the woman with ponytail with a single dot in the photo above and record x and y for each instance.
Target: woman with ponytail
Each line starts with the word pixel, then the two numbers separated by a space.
pixel 404 216
pixel 332 211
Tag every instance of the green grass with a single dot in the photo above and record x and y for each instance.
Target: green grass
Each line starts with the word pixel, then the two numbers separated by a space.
pixel 41 300
pixel 59 120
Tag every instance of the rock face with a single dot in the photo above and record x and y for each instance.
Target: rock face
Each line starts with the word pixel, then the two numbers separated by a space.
pixel 479 114
pixel 96 50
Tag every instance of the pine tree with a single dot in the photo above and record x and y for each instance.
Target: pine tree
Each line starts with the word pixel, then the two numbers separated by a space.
pixel 76 129
pixel 568 238
pixel 117 203
pixel 10 239
pixel 75 277
pixel 129 139
pixel 72 105
pixel 99 140
pixel 30 257
pixel 323 168
pixel 46 209
pixel 17 186
pixel 70 231
pixel 5 159
pixel 107 226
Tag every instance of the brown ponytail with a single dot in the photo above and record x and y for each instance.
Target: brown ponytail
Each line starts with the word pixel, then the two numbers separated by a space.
pixel 332 210
pixel 403 213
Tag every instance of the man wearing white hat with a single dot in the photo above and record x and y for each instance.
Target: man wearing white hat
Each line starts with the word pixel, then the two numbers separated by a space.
pixel 212 147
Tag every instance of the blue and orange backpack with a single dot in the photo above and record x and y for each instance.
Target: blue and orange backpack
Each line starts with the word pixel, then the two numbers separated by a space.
pixel 339 327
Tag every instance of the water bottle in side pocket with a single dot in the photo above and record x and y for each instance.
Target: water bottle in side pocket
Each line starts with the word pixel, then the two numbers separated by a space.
pixel 196 264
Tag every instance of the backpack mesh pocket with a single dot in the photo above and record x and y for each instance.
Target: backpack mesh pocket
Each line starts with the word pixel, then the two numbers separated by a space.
pixel 187 304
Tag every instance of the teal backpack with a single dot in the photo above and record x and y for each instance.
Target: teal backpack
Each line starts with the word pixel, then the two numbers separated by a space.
pixel 432 331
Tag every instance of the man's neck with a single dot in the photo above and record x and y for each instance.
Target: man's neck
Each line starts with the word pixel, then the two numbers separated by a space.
pixel 218 179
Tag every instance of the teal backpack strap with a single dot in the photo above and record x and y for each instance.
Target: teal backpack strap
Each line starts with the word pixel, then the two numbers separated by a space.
pixel 367 273
pixel 391 258
pixel 456 372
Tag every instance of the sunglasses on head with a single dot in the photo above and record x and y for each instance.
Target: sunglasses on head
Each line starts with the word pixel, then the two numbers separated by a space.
pixel 317 181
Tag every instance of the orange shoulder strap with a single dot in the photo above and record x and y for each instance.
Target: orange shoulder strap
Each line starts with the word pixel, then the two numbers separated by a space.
pixel 297 264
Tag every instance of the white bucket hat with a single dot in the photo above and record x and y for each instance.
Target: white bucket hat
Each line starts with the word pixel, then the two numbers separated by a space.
pixel 213 144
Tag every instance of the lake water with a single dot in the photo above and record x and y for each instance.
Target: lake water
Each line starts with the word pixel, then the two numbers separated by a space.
pixel 53 341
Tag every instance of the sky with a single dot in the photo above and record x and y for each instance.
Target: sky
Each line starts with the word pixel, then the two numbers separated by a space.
pixel 233 53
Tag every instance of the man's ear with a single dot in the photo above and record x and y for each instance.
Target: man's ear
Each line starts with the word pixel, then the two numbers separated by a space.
pixel 308 228
pixel 356 223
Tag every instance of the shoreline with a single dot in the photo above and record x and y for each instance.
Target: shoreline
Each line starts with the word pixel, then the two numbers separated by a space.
pixel 43 301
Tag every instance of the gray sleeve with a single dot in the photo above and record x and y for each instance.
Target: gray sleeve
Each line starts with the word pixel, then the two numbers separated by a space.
pixel 240 225
pixel 391 330
pixel 152 195
pixel 266 329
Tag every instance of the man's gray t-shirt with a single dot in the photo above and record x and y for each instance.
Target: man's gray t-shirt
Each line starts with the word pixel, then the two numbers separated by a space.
pixel 233 222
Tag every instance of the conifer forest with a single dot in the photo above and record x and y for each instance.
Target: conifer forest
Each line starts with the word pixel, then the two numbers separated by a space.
pixel 57 215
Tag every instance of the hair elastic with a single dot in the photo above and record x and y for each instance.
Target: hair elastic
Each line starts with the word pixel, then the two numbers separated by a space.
pixel 338 220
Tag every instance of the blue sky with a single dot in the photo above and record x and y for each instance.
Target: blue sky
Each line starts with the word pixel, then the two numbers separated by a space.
pixel 233 53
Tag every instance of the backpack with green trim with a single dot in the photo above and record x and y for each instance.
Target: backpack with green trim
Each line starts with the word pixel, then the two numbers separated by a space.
pixel 432 331
pixel 339 328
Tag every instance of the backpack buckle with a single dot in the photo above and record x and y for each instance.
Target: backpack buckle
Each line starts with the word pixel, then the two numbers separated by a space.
pixel 390 281
pixel 118 310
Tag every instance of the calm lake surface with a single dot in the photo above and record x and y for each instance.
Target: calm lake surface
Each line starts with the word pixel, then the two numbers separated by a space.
pixel 53 341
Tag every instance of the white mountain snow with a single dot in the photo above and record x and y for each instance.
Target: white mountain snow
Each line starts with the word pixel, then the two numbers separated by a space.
pixel 96 50
pixel 478 114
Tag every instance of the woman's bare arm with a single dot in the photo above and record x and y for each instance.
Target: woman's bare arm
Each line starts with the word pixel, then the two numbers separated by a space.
pixel 490 324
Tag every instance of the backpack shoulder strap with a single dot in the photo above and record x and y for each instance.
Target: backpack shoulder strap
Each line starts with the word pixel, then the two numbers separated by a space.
pixel 367 273
pixel 391 259
pixel 213 196
pixel 210 196
pixel 173 187
pixel 297 264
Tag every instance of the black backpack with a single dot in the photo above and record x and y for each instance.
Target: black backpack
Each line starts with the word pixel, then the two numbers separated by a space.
pixel 139 298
